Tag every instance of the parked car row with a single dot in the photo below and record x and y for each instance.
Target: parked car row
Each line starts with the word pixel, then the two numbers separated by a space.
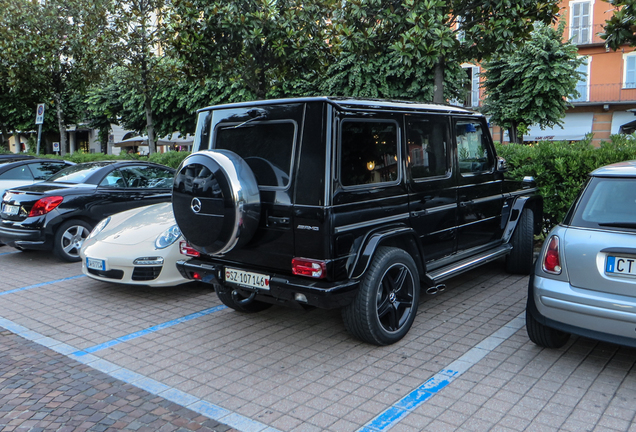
pixel 396 198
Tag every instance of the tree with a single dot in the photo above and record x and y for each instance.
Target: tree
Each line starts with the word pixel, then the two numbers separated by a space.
pixel 417 44
pixel 256 48
pixel 55 48
pixel 620 29
pixel 530 85
pixel 140 51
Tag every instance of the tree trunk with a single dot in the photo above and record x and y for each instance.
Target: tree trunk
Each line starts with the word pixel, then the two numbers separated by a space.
pixel 5 138
pixel 513 134
pixel 150 128
pixel 438 89
pixel 60 122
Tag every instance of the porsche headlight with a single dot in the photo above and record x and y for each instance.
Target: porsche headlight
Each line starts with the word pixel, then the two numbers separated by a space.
pixel 99 227
pixel 168 237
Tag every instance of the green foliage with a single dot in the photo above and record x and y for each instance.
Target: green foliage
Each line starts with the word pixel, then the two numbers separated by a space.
pixel 619 29
pixel 529 86
pixel 561 168
pixel 171 159
pixel 259 48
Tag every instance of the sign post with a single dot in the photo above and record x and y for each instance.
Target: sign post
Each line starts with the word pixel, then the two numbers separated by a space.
pixel 39 119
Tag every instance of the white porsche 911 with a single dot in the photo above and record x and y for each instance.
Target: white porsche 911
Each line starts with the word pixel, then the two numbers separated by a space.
pixel 138 247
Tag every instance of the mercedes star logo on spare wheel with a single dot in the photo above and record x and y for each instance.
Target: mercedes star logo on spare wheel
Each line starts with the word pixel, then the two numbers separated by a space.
pixel 195 205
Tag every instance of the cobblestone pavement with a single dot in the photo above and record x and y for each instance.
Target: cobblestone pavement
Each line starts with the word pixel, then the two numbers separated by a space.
pixel 41 390
pixel 98 355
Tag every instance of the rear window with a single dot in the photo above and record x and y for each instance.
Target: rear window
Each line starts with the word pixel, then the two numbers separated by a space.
pixel 267 147
pixel 76 173
pixel 607 203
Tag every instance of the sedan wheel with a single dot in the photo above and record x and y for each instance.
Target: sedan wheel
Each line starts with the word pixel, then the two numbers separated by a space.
pixel 69 239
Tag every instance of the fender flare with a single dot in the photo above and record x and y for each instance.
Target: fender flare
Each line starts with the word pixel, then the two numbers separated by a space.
pixel 520 203
pixel 374 240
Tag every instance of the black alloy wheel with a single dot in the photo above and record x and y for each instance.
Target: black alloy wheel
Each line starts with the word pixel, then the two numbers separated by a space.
pixel 385 307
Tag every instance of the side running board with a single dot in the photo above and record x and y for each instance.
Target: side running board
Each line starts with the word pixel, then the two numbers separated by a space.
pixel 443 273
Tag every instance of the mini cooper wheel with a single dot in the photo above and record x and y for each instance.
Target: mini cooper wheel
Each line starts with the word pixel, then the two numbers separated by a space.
pixel 543 335
pixel 239 302
pixel 69 239
pixel 385 306
pixel 521 258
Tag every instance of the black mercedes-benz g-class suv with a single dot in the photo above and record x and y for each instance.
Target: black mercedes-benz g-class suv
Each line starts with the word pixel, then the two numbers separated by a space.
pixel 346 203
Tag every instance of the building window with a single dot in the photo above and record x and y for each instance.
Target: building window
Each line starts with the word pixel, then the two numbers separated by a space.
pixel 471 98
pixel 583 86
pixel 629 78
pixel 581 22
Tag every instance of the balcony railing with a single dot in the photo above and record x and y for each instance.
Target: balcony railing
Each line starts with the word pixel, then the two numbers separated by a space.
pixel 600 93
pixel 586 35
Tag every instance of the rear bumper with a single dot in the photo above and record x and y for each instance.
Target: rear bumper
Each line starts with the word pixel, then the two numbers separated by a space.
pixel 29 239
pixel 282 288
pixel 558 305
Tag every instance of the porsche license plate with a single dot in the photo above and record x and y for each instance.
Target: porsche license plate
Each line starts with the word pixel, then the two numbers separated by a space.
pixel 95 264
pixel 246 279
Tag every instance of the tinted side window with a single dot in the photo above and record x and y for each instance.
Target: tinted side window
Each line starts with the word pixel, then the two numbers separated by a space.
pixel 147 177
pixel 472 150
pixel 44 170
pixel 114 179
pixel 427 141
pixel 17 173
pixel 368 152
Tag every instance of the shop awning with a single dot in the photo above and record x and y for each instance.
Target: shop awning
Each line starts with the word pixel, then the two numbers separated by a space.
pixel 620 119
pixel 575 127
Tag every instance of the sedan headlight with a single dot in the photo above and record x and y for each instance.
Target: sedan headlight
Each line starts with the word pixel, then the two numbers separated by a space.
pixel 99 227
pixel 168 237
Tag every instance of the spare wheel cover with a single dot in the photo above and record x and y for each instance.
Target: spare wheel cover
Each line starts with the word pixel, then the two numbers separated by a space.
pixel 216 201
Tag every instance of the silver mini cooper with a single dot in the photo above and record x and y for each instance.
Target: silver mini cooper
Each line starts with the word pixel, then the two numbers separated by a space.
pixel 584 281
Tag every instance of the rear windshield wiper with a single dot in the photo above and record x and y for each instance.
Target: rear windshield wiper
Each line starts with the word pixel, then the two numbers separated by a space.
pixel 258 113
pixel 618 224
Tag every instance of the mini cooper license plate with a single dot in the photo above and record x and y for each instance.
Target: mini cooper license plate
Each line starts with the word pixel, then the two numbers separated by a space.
pixel 95 264
pixel 10 210
pixel 246 279
pixel 620 265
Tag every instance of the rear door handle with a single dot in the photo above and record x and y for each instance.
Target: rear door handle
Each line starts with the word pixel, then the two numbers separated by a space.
pixel 277 221
pixel 466 203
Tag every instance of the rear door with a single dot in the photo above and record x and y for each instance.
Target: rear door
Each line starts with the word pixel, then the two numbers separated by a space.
pixel 267 138
pixel 432 184
pixel 480 196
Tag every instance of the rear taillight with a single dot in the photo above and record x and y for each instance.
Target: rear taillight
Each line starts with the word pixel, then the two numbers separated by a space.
pixel 187 250
pixel 45 205
pixel 308 267
pixel 551 261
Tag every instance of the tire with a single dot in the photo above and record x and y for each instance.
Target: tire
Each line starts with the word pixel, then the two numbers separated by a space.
pixel 234 300
pixel 521 258
pixel 386 304
pixel 544 336
pixel 69 239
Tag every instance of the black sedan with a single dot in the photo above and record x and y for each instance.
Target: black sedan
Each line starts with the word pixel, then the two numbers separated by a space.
pixel 59 213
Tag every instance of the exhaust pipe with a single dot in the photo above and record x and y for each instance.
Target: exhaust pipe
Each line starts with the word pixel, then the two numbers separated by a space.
pixel 436 289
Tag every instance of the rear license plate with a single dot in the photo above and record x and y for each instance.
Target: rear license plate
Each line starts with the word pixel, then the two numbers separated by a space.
pixel 246 279
pixel 620 265
pixel 10 210
pixel 95 264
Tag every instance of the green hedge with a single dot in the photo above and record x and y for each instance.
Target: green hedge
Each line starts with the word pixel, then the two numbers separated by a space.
pixel 171 159
pixel 561 168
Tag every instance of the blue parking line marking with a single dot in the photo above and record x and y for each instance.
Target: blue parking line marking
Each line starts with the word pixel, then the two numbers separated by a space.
pixel 144 332
pixel 40 284
pixel 8 253
pixel 403 407
pixel 191 402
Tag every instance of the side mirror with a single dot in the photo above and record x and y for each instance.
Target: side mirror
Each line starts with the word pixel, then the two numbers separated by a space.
pixel 502 166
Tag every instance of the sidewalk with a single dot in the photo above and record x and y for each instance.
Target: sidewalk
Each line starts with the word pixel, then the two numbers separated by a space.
pixel 43 390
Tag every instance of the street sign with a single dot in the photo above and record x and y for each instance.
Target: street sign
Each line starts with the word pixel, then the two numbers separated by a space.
pixel 56 146
pixel 39 114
